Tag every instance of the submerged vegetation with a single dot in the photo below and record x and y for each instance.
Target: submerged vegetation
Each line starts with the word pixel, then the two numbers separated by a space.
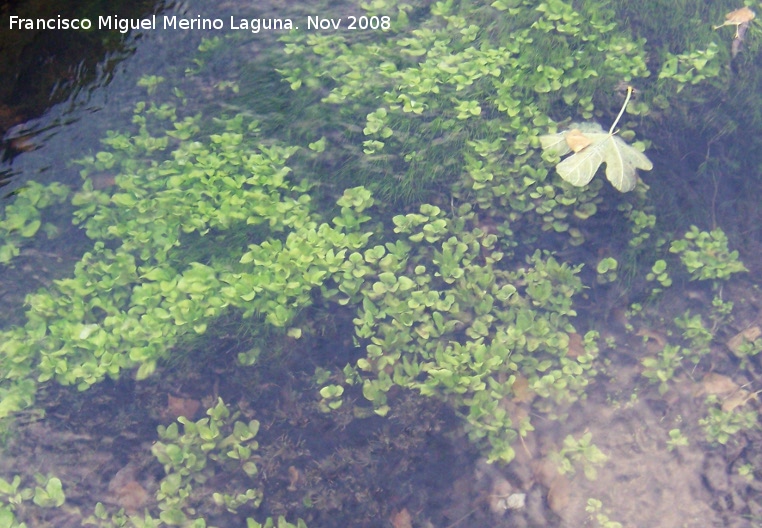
pixel 477 294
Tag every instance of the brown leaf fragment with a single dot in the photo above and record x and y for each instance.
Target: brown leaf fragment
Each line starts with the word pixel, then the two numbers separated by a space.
pixel 132 497
pixel 748 335
pixel 177 407
pixel 731 394
pixel 522 392
pixel 125 491
pixel 576 345
pixel 402 519
pixel 293 478
pixel 102 180
pixel 23 143
pixel 655 341
pixel 718 384
pixel 737 399
pixel 577 140
pixel 545 471
pixel 559 495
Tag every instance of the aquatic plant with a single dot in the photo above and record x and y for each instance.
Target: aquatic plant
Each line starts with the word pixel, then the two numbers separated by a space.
pixel 193 458
pixel 47 493
pixel 136 292
pixel 437 314
pixel 595 509
pixel 22 218
pixel 659 274
pixel 721 424
pixel 580 451
pixel 676 439
pixel 661 368
pixel 706 255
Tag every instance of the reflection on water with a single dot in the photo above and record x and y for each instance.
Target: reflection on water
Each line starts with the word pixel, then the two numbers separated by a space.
pixel 69 88
pixel 51 77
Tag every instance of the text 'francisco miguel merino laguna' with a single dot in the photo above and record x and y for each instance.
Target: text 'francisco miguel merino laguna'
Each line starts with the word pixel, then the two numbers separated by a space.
pixel 114 22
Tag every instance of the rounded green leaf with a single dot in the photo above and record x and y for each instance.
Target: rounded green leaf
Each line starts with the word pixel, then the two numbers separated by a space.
pixel 607 264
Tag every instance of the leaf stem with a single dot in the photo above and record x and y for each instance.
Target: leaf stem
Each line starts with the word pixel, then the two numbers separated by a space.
pixel 626 100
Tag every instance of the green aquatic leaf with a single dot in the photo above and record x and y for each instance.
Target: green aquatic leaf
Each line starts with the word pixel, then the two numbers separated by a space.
pixel 622 160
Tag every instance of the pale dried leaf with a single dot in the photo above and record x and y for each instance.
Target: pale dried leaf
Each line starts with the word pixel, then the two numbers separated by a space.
pixel 737 399
pixel 739 16
pixel 718 384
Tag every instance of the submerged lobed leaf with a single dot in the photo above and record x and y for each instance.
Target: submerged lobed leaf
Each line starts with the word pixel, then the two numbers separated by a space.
pixel 622 160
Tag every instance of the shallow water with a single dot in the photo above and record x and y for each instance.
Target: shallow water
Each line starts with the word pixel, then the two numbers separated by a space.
pixel 413 468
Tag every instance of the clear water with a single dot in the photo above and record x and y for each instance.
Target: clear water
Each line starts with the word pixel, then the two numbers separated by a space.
pixel 363 473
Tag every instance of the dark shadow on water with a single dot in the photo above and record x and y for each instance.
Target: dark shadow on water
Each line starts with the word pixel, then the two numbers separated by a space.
pixel 42 69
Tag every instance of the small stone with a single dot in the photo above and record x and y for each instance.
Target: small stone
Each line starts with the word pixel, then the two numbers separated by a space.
pixel 516 501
